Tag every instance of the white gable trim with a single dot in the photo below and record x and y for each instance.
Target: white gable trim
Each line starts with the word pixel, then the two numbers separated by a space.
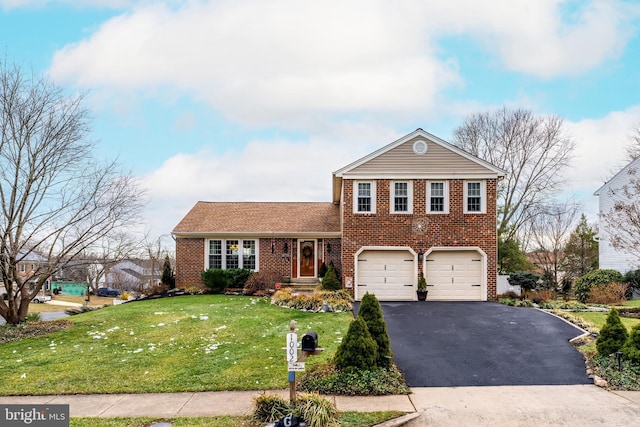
pixel 633 163
pixel 432 138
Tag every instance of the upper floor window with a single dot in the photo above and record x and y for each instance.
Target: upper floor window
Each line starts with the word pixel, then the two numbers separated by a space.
pixel 437 197
pixel 474 197
pixel 232 253
pixel 401 197
pixel 364 197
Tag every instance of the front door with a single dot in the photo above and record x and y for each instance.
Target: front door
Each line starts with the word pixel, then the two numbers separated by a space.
pixel 307 258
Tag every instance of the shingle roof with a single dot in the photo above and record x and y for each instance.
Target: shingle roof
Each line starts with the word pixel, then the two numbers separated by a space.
pixel 261 218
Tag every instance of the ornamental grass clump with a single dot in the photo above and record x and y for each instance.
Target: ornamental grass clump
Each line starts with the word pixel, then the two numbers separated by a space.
pixel 613 335
pixel 314 410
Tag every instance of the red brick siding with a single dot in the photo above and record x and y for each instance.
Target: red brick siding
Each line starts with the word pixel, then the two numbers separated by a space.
pixel 452 229
pixel 191 254
pixel 189 262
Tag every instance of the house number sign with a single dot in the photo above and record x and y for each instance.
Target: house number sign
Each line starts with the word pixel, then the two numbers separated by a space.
pixel 292 347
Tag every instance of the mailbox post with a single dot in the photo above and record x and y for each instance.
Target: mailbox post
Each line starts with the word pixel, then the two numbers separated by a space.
pixel 296 356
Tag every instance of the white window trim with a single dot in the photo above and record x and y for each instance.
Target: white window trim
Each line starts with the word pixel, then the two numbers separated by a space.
pixel 483 197
pixel 373 197
pixel 392 195
pixel 445 190
pixel 224 252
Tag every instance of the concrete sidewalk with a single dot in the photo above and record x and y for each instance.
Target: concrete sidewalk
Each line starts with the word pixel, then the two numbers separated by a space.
pixel 193 404
pixel 572 405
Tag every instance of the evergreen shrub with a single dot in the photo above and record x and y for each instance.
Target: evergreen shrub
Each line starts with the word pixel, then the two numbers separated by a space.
pixel 633 279
pixel 216 280
pixel 330 281
pixel 371 312
pixel 631 348
pixel 358 351
pixel 613 335
pixel 526 280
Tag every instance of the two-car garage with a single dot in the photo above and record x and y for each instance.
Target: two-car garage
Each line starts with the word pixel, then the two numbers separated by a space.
pixel 451 274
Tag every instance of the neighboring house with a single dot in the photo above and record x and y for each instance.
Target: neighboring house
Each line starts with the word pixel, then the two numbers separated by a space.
pixel 417 204
pixel 609 257
pixel 30 267
pixel 133 275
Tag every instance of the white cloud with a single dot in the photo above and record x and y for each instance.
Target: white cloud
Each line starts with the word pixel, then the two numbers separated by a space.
pixel 95 4
pixel 600 152
pixel 275 170
pixel 545 38
pixel 293 63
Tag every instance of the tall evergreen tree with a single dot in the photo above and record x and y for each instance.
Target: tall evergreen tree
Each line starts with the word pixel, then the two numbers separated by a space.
pixel 371 312
pixel 168 279
pixel 581 250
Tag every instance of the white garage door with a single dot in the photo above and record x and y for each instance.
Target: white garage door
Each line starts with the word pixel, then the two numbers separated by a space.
pixel 454 275
pixel 387 274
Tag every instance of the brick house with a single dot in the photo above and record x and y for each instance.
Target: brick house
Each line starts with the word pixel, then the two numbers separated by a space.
pixel 416 205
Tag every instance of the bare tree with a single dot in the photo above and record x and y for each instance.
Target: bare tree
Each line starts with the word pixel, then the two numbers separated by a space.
pixel 112 250
pixel 633 148
pixel 550 231
pixel 532 149
pixel 622 221
pixel 56 200
pixel 156 250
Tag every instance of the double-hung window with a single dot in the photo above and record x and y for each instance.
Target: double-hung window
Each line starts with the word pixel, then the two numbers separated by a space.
pixel 474 197
pixel 249 254
pixel 233 253
pixel 437 197
pixel 401 197
pixel 364 197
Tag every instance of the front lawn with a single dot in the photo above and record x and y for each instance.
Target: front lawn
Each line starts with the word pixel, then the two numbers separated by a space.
pixel 188 343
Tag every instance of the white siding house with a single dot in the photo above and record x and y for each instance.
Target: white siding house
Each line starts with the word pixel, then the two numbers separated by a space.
pixel 609 257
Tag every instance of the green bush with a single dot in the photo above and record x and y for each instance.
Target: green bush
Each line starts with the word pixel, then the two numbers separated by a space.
pixel 326 379
pixel 633 279
pixel 216 280
pixel 613 335
pixel 631 348
pixel 237 276
pixel 584 283
pixel 371 312
pixel 526 280
pixel 358 351
pixel 330 281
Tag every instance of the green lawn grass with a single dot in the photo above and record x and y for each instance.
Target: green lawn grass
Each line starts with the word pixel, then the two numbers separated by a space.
pixel 598 318
pixel 189 343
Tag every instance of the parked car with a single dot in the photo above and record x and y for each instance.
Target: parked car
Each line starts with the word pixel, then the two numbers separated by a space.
pixel 109 292
pixel 40 299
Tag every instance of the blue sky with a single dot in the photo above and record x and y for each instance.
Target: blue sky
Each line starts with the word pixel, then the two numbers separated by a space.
pixel 238 100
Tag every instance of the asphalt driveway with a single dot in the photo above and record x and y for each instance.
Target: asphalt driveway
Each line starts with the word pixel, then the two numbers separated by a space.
pixel 448 344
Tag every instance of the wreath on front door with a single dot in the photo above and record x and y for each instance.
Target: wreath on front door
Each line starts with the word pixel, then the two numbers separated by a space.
pixel 306 252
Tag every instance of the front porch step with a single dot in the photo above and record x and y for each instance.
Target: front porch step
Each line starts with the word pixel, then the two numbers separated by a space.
pixel 302 286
